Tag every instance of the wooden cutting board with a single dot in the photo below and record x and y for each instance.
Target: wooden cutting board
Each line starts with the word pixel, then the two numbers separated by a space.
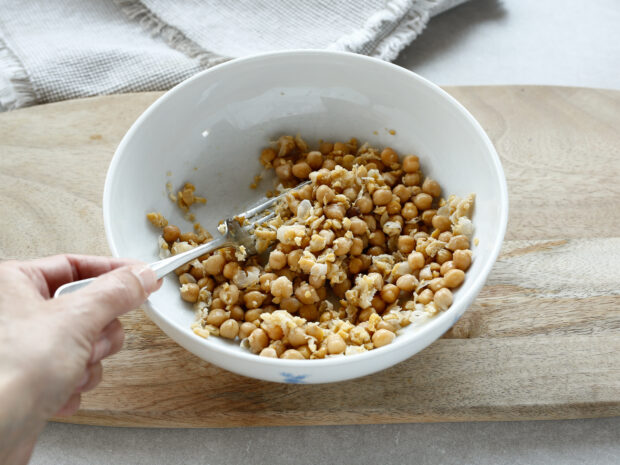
pixel 542 341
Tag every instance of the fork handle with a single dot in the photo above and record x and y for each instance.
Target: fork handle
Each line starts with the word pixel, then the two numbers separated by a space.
pixel 160 267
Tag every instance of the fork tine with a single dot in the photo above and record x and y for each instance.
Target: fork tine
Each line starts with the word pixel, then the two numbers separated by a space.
pixel 263 206
pixel 261 220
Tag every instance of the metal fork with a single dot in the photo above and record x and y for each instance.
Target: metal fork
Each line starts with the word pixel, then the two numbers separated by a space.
pixel 234 235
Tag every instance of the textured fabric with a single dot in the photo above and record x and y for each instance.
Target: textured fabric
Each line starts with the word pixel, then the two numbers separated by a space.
pixel 75 48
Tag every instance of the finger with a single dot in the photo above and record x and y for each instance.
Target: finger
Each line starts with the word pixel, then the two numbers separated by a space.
pixel 71 406
pixel 110 341
pixel 93 376
pixel 111 295
pixel 49 273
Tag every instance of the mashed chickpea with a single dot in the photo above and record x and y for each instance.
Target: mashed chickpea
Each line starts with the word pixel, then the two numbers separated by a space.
pixel 366 249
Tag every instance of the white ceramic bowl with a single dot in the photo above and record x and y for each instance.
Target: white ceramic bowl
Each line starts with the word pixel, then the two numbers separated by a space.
pixel 209 129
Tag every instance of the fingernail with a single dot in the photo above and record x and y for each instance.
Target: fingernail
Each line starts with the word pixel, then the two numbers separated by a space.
pixel 147 277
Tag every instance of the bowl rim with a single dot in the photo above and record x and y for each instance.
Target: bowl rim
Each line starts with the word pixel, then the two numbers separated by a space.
pixel 454 312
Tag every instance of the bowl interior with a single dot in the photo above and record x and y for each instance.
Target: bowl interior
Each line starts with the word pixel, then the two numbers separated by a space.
pixel 210 129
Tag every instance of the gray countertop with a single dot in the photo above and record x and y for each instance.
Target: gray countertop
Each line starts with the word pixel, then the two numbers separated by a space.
pixel 552 42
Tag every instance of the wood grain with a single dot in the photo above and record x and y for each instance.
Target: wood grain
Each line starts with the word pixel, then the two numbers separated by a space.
pixel 540 342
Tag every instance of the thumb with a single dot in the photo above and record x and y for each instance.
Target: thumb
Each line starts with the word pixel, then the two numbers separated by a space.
pixel 113 294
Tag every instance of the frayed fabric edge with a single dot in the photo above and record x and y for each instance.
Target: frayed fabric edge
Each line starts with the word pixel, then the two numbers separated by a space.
pixel 137 11
pixel 409 18
pixel 16 90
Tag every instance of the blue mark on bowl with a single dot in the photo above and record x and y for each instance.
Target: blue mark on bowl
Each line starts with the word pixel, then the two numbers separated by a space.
pixel 293 379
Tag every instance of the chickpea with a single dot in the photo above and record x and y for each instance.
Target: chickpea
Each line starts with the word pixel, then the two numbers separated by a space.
pixel 425 296
pixel 357 247
pixel 292 354
pixel 378 304
pixel 265 281
pixel 342 246
pixel 390 293
pixel 377 238
pixel 229 294
pixel 306 294
pixel 258 340
pixel 364 204
pixel 445 236
pixel 436 284
pixel 293 257
pixel 383 337
pixel 277 260
pixel 411 179
pixel 171 233
pixel 323 176
pixel 355 265
pixel 290 304
pixel 442 223
pixel 462 259
pixel 423 201
pixel 454 278
pixel 267 156
pixel 334 211
pixel 402 192
pixel 335 344
pixel 326 147
pixel 217 303
pixel 282 288
pixel 189 292
pixel 269 352
pixel 358 227
pixel 365 314
pixel 246 329
pixel 411 164
pixel 284 172
pixel 443 255
pixel 230 270
pixel 186 278
pixel 229 329
pixel 324 194
pixel 315 160
pixel 253 299
pixel 382 196
pixel 206 283
pixel 301 170
pixel 393 208
pixel 273 331
pixel 305 192
pixel 446 266
pixel 316 281
pixel 406 244
pixel 407 283
pixel 350 193
pixel 214 265
pixel 431 187
pixel 389 156
pixel 370 222
pixel 458 242
pixel 416 260
pixel 443 299
pixel 427 217
pixel 376 250
pixel 309 312
pixel 409 211
pixel 426 273
pixel 297 336
pixel 217 316
pixel 188 237
pixel 237 312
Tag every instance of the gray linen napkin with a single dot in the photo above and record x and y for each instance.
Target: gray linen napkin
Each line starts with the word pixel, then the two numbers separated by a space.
pixel 77 48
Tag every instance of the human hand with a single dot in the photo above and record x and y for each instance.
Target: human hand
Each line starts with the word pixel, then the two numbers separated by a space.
pixel 51 349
